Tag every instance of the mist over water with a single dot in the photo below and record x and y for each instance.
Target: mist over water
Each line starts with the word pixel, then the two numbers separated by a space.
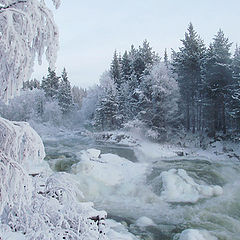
pixel 141 195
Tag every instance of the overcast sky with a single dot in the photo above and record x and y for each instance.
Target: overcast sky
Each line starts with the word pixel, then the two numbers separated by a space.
pixel 91 30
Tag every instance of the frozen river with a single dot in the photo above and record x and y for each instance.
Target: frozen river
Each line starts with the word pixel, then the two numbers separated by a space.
pixel 154 197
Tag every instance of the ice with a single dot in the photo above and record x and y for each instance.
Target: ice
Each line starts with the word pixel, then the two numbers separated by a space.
pixel 178 186
pixel 117 231
pixel 194 234
pixel 37 203
pixel 9 235
pixel 95 153
pixel 109 169
pixel 145 222
pixel 118 137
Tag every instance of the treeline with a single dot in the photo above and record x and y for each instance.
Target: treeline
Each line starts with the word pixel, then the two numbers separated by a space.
pixel 198 88
pixel 208 80
pixel 52 100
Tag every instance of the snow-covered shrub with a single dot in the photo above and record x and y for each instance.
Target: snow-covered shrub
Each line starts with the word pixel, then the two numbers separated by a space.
pixel 34 203
pixel 52 112
pixel 28 105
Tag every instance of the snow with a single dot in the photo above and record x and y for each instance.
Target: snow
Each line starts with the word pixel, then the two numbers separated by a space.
pixel 27 31
pixel 9 235
pixel 42 204
pixel 194 234
pixel 117 137
pixel 178 186
pixel 117 231
pixel 108 169
pixel 92 153
pixel 144 222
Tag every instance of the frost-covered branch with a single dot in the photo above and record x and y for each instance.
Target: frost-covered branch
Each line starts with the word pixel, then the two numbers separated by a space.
pixel 27 30
pixel 3 7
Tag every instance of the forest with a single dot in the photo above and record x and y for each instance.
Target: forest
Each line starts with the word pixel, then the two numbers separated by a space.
pixel 151 152
pixel 195 89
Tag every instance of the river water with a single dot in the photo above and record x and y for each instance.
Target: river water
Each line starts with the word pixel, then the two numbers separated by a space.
pixel 128 202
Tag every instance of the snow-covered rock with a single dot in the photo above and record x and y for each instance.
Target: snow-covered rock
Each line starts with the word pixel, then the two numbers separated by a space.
pixel 178 186
pixel 108 169
pixel 115 230
pixel 144 222
pixel 120 138
pixel 42 207
pixel 194 234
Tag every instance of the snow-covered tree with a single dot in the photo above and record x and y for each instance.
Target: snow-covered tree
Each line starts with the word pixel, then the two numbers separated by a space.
pixel 187 64
pixel 33 204
pixel 50 84
pixel 158 105
pixel 234 89
pixel 31 84
pixel 27 30
pixel 107 106
pixel 65 94
pixel 78 94
pixel 217 78
pixel 115 70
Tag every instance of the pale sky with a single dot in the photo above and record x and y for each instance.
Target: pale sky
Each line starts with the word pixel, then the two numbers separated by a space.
pixel 91 30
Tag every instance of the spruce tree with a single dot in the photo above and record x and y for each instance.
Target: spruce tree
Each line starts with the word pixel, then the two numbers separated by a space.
pixel 234 90
pixel 115 70
pixel 65 100
pixel 187 64
pixel 218 77
pixel 166 61
pixel 50 84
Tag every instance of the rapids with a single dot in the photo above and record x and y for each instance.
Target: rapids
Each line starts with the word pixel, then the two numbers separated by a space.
pixel 156 198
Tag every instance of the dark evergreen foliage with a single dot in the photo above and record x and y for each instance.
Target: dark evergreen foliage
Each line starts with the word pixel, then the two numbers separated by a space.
pixel 50 84
pixel 202 91
pixel 64 93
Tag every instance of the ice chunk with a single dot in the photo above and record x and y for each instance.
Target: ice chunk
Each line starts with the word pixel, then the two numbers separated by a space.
pixel 95 153
pixel 110 169
pixel 194 234
pixel 145 222
pixel 115 230
pixel 178 186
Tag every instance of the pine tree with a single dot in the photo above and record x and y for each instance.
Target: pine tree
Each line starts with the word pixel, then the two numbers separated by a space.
pixel 65 100
pixel 126 69
pixel 50 84
pixel 187 63
pixel 234 90
pixel 106 112
pixel 115 70
pixel 166 61
pixel 218 77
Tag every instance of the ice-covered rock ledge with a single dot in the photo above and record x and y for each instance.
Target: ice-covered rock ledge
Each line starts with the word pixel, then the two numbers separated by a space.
pixel 117 137
pixel 36 203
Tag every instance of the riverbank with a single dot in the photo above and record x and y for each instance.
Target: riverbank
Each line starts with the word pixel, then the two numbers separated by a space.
pixel 157 191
